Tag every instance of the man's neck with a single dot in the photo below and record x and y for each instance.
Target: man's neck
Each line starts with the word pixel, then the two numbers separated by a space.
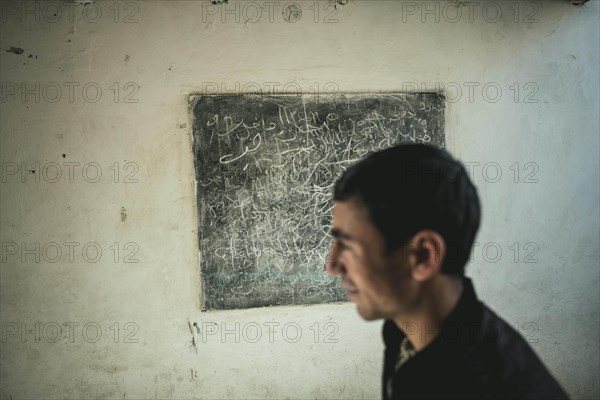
pixel 439 297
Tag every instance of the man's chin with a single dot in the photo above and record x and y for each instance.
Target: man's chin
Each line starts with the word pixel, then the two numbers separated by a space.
pixel 366 315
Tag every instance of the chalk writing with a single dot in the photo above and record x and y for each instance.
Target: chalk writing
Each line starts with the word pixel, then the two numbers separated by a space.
pixel 265 168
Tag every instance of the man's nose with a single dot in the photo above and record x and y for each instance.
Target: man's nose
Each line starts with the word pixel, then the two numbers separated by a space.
pixel 333 266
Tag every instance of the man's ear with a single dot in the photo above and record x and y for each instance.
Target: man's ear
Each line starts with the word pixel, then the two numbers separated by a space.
pixel 429 249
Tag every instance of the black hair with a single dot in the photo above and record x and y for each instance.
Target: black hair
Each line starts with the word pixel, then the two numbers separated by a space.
pixel 410 187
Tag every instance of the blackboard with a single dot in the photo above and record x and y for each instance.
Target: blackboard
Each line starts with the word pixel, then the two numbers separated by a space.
pixel 265 169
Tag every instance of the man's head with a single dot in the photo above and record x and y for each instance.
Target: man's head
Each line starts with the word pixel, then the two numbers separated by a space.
pixel 403 218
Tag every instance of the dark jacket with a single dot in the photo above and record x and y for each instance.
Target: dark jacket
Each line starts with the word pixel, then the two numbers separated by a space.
pixel 475 355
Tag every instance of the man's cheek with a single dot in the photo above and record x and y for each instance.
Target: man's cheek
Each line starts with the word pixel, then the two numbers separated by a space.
pixel 351 257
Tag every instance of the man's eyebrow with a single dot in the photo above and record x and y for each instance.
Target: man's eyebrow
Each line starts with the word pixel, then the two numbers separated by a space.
pixel 339 234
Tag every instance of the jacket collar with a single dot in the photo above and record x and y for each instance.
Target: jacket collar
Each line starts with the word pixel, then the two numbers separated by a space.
pixel 460 326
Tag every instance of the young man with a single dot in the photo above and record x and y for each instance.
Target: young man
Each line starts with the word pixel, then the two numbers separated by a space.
pixel 404 222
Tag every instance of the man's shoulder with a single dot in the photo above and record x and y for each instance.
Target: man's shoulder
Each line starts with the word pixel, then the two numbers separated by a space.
pixel 503 359
pixel 477 354
pixel 500 343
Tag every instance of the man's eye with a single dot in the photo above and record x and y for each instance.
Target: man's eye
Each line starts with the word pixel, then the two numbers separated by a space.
pixel 342 246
